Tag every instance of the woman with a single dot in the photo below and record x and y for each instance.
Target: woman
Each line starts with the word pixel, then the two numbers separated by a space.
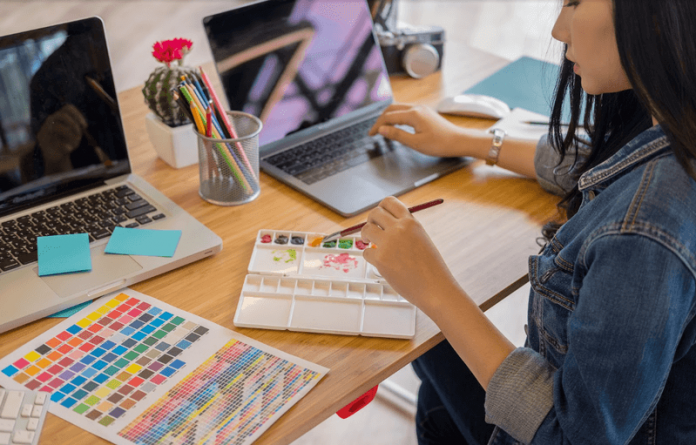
pixel 610 355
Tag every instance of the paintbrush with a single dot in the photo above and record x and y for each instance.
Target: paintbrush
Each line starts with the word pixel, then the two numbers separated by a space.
pixel 353 229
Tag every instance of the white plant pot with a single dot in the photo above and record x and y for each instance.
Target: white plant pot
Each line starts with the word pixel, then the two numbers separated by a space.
pixel 177 146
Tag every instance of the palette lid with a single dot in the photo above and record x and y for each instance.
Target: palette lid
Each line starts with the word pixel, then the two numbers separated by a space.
pixel 301 254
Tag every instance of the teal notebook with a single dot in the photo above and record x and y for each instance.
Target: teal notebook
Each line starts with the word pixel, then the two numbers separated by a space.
pixel 525 83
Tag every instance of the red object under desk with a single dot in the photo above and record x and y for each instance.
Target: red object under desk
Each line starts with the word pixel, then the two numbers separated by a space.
pixel 357 404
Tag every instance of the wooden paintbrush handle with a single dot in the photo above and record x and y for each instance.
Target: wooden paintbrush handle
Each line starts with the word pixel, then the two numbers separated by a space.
pixel 413 209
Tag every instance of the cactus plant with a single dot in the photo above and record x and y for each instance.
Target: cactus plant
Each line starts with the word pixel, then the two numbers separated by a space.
pixel 158 89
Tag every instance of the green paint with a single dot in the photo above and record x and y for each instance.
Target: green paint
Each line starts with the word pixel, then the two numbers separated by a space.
pixel 329 244
pixel 286 256
pixel 345 243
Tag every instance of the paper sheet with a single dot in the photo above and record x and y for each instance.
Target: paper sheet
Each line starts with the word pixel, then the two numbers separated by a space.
pixel 514 125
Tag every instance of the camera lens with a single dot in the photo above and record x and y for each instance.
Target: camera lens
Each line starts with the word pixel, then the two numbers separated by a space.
pixel 420 60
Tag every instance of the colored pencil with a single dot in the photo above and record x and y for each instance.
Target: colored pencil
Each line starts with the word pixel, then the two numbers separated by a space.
pixel 209 123
pixel 197 118
pixel 225 119
pixel 353 229
pixel 187 111
pixel 200 124
pixel 216 134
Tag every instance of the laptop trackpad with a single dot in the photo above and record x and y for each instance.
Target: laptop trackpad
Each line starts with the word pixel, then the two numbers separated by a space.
pixel 105 269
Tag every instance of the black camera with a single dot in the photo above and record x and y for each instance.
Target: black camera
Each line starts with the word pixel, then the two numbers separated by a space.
pixel 414 50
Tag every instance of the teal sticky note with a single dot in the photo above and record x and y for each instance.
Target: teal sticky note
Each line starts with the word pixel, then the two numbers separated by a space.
pixel 63 254
pixel 525 83
pixel 65 313
pixel 143 242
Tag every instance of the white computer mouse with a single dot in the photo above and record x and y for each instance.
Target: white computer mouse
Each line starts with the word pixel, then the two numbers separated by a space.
pixel 474 105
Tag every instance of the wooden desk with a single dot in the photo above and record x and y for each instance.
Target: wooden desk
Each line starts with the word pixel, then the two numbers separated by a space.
pixel 486 229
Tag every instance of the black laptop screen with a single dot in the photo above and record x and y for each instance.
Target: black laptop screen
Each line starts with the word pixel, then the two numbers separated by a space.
pixel 297 63
pixel 60 127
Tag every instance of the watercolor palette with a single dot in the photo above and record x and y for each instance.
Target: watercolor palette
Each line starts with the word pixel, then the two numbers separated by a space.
pixel 298 284
pixel 327 306
pixel 132 369
pixel 300 254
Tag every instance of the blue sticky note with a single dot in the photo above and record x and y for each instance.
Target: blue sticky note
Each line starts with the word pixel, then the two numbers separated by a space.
pixel 143 242
pixel 63 254
pixel 525 83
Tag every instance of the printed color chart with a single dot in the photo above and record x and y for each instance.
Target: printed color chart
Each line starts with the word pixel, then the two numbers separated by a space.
pixel 121 364
pixel 227 400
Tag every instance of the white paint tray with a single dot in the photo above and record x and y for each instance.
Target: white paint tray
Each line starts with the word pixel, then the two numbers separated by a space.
pixel 294 286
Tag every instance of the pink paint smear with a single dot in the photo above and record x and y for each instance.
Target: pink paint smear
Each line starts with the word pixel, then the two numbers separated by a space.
pixel 344 262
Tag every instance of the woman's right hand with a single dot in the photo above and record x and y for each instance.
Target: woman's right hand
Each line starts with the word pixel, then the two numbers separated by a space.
pixel 434 135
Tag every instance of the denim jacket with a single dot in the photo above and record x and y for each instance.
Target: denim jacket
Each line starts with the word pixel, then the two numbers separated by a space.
pixel 610 356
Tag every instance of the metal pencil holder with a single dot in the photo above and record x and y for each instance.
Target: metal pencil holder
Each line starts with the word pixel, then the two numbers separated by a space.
pixel 229 168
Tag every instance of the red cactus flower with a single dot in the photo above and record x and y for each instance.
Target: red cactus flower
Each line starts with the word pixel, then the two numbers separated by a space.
pixel 184 44
pixel 168 51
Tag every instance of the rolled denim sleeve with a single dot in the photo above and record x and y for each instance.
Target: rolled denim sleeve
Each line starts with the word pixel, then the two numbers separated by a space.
pixel 553 175
pixel 520 394
pixel 634 302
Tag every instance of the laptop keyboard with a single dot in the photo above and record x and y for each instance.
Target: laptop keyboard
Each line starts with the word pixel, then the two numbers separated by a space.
pixel 331 154
pixel 98 215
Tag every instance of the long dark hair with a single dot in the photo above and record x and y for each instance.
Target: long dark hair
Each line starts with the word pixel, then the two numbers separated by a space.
pixel 657 46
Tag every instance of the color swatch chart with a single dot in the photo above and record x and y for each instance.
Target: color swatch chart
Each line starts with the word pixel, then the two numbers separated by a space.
pixel 104 366
pixel 227 400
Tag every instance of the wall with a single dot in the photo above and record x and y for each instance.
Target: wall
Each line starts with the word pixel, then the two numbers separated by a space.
pixel 507 28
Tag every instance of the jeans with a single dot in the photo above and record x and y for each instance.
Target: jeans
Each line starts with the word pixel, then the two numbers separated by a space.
pixel 450 400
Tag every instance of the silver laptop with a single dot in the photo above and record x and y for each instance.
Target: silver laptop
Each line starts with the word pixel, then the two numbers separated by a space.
pixel 313 72
pixel 64 168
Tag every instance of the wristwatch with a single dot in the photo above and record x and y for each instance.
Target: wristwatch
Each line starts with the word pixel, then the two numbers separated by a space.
pixel 494 151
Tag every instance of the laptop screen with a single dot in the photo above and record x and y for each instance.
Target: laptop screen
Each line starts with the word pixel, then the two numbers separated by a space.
pixel 298 63
pixel 60 127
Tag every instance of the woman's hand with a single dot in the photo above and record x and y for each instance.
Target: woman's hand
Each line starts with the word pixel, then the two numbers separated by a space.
pixel 434 135
pixel 405 256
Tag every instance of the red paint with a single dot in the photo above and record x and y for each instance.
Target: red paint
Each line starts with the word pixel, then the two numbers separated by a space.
pixel 344 262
